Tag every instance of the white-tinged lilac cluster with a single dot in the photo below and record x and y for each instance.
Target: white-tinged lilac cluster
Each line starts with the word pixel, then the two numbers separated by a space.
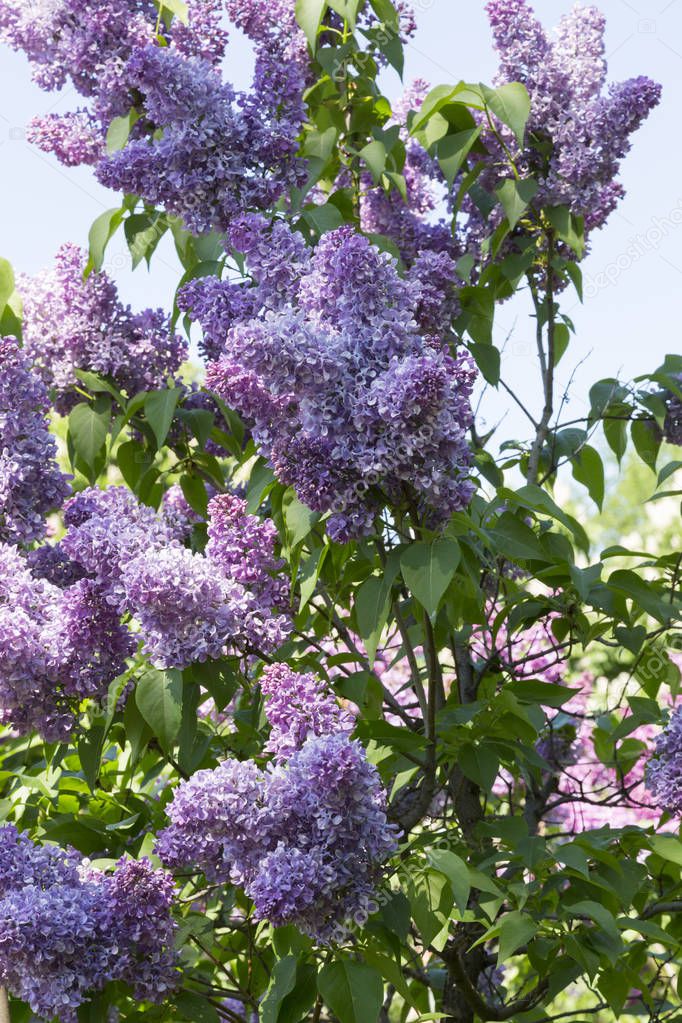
pixel 57 647
pixel 71 323
pixel 31 484
pixel 664 770
pixel 67 930
pixel 586 124
pixel 305 839
pixel 299 706
pixel 351 400
pixel 188 606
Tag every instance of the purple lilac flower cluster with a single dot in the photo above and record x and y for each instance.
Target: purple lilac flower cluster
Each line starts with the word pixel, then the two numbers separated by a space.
pixel 71 323
pixel 57 647
pixel 587 123
pixel 198 148
pixel 67 930
pixel 304 838
pixel 62 634
pixel 333 359
pixel 188 606
pixel 86 44
pixel 31 484
pixel 297 707
pixel 664 771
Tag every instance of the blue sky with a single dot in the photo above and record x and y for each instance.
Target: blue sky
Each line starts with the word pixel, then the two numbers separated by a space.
pixel 633 277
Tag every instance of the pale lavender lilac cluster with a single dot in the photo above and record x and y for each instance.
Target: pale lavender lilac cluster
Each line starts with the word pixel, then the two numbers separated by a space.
pixel 67 930
pixel 74 323
pixel 31 484
pixel 304 838
pixel 586 123
pixel 664 771
pixel 353 402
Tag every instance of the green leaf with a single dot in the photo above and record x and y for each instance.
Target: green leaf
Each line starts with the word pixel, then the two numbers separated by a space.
pixel 159 698
pixel 282 982
pixel 569 229
pixel 119 130
pixel 90 747
pixel 457 873
pixel 177 8
pixel 547 694
pixel 143 233
pixel 510 104
pixel 6 282
pixel 374 155
pixel 309 15
pixel 516 540
pixel 452 151
pixel 667 847
pixel 101 232
pixel 196 1008
pixel 354 992
pixel 588 469
pixel 515 930
pixel 428 570
pixel 159 409
pixel 515 197
pixel 647 440
pixel 298 518
pixel 88 428
pixel 371 613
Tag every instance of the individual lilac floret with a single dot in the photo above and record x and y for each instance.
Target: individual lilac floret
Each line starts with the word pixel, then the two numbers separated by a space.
pixel 31 485
pixel 71 324
pixel 587 125
pixel 219 154
pixel 297 707
pixel 349 399
pixel 67 930
pixel 664 772
pixel 305 840
pixel 57 647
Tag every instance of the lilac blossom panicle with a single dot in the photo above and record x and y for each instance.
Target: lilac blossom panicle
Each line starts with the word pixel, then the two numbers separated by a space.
pixel 188 606
pixel 298 706
pixel 31 484
pixel 67 930
pixel 352 401
pixel 71 323
pixel 304 838
pixel 57 647
pixel 588 123
pixel 86 44
pixel 664 771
